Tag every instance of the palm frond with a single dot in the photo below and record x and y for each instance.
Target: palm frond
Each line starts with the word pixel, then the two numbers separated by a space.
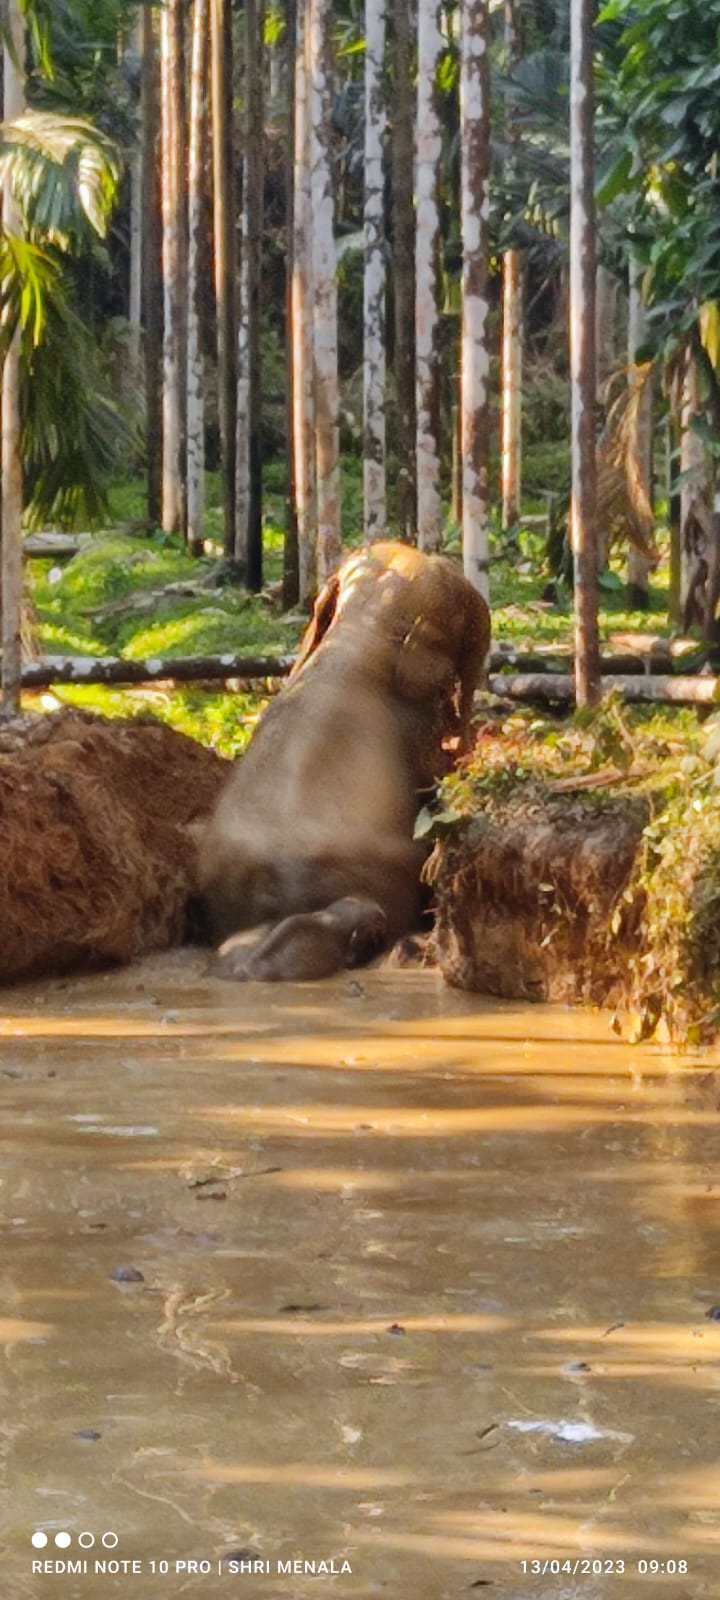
pixel 29 277
pixel 75 436
pixel 64 176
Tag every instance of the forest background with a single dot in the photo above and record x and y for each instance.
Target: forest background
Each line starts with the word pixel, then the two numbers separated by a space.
pixel 247 253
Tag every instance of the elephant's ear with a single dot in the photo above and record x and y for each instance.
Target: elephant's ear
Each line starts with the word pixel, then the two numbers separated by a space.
pixel 472 659
pixel 323 613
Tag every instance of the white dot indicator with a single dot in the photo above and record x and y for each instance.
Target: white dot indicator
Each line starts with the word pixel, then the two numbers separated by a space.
pixel 39 1540
pixel 87 1540
pixel 110 1540
pixel 62 1540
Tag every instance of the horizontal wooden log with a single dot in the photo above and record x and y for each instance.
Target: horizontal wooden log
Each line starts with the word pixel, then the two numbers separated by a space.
pixel 558 688
pixel 560 660
pixel 189 669
pixel 536 680
pixel 54 546
pixel 90 670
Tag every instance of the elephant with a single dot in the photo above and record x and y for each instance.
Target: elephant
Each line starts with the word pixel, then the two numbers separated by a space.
pixel 313 832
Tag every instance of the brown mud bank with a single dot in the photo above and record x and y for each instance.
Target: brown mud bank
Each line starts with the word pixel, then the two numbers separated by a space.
pixel 97 853
pixel 564 890
pixel 572 897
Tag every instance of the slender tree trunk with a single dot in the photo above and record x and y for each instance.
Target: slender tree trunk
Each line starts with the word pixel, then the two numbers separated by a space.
pixel 512 354
pixel 640 462
pixel 475 356
pixel 695 493
pixel 606 303
pixel 327 399
pixel 456 465
pixel 302 339
pixel 374 276
pixel 151 253
pixel 249 537
pixel 428 150
pixel 242 392
pixel 513 278
pixel 582 354
pixel 671 454
pixel 224 206
pixel 403 226
pixel 136 235
pixel 195 365
pixel 291 569
pixel 174 259
pixel 11 483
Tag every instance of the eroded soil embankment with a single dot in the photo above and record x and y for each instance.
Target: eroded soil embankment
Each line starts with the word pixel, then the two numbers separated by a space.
pixel 575 898
pixel 96 844
pixel 527 897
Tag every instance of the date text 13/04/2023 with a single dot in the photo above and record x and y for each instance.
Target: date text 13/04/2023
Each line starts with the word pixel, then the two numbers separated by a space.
pixel 649 1567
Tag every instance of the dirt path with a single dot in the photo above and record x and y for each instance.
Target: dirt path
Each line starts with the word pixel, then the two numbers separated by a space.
pixel 425 1283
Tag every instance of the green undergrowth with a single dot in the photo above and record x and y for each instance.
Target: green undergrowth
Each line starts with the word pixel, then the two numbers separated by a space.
pixel 113 599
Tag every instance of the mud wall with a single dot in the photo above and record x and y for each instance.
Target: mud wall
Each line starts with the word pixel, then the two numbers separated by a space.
pixel 530 900
pixel 97 851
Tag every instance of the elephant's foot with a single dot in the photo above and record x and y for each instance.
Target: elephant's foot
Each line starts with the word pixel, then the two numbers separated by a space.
pixel 312 944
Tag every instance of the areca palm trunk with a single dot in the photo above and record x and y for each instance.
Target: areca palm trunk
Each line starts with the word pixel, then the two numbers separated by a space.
pixel 513 275
pixel 695 471
pixel 150 261
pixel 291 571
pixel 136 230
pixel 248 530
pixel 428 151
pixel 224 206
pixel 327 398
pixel 583 364
pixel 195 369
pixel 475 357
pixel 606 303
pixel 640 464
pixel 374 276
pixel 301 315
pixel 11 489
pixel 403 257
pixel 174 263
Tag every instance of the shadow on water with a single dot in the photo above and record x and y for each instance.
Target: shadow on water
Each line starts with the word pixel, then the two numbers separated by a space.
pixel 421 1283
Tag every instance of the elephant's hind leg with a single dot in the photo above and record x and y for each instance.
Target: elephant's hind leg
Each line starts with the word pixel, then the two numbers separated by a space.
pixel 312 944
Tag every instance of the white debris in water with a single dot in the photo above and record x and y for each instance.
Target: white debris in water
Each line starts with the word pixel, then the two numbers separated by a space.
pixel 141 1131
pixel 570 1432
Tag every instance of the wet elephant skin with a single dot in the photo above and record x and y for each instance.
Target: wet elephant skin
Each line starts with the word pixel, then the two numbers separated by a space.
pixel 321 807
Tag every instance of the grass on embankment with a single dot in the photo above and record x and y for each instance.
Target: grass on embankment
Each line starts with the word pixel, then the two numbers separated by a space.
pixel 528 812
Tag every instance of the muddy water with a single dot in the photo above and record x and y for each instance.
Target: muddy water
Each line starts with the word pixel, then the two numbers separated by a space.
pixel 425 1283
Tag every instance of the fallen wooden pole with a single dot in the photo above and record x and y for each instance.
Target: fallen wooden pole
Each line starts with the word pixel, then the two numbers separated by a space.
pixel 557 688
pixel 207 669
pixel 90 670
pixel 540 685
pixel 560 661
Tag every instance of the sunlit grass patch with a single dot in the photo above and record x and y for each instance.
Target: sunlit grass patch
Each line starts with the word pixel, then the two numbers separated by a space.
pixel 114 565
pixel 207 625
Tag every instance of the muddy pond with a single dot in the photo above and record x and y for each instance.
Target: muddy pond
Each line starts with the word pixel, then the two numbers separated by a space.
pixel 369 1277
